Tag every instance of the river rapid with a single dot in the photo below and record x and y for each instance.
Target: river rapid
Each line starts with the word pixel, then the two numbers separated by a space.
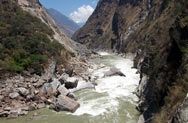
pixel 112 100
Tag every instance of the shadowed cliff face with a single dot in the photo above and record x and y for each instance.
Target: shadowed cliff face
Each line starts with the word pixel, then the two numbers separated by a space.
pixel 97 31
pixel 156 32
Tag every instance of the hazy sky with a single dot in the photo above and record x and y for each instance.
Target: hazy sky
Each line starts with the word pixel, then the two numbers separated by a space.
pixel 77 10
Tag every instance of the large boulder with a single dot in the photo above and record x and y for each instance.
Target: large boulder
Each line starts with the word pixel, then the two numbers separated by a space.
pixel 65 103
pixel 14 95
pixel 23 91
pixel 62 90
pixel 50 88
pixel 55 84
pixel 71 82
pixel 46 89
pixel 114 72
pixel 63 78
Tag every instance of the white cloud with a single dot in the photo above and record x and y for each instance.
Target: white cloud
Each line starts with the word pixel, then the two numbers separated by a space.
pixel 82 14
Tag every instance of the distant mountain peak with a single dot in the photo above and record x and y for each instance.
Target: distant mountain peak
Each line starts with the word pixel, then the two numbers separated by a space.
pixel 65 23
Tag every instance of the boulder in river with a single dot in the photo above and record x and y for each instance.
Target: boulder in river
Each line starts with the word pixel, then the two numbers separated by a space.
pixel 65 103
pixel 114 72
pixel 71 82
pixel 71 95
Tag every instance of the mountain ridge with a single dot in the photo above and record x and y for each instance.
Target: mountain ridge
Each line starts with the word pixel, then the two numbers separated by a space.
pixel 66 24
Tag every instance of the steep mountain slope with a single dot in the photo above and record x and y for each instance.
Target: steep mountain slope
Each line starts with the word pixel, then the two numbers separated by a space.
pixel 34 55
pixel 156 31
pixel 66 24
pixel 30 38
pixel 26 42
pixel 36 9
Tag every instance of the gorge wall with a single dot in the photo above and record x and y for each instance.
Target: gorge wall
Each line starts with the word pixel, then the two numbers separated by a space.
pixel 156 31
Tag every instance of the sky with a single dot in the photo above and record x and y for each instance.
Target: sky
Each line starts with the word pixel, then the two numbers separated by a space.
pixel 77 10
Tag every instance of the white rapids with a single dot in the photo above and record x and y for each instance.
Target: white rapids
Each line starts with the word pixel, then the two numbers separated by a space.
pixel 110 91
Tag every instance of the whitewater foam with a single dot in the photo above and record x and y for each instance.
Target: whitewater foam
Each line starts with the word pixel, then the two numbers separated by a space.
pixel 103 53
pixel 111 88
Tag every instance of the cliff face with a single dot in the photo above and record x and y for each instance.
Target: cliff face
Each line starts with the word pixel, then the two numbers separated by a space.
pixel 112 22
pixel 97 29
pixel 156 31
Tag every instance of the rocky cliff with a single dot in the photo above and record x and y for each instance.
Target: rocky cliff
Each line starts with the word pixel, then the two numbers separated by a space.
pixel 156 31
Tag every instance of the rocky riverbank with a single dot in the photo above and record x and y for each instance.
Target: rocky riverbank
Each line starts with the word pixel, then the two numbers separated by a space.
pixel 20 94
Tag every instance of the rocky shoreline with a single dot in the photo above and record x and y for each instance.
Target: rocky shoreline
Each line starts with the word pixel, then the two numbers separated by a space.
pixel 20 94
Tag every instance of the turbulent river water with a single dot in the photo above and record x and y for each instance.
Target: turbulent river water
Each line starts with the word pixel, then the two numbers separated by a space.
pixel 112 100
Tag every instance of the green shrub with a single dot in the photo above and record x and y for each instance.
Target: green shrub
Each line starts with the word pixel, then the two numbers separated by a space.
pixel 184 21
pixel 184 47
pixel 11 66
pixel 2 24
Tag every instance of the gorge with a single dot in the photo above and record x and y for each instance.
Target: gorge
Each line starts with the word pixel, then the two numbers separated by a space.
pixel 141 77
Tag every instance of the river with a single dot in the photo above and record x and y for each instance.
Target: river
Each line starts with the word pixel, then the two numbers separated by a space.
pixel 112 100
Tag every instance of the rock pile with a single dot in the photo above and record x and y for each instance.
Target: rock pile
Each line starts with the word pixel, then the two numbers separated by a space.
pixel 18 94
